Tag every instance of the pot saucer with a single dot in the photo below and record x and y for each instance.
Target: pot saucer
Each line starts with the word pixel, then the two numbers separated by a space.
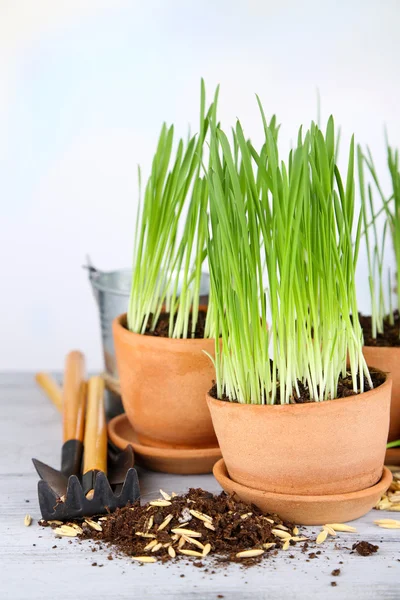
pixel 392 457
pixel 183 461
pixel 307 510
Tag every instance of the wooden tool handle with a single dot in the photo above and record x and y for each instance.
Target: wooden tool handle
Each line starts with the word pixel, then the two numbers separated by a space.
pixel 74 397
pixel 50 386
pixel 95 442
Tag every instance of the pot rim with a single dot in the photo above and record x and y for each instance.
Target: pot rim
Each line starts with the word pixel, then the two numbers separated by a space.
pixel 308 405
pixel 383 348
pixel 119 323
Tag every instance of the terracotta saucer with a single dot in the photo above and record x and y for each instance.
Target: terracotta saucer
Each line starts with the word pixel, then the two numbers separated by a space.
pixel 166 460
pixel 307 510
pixel 392 457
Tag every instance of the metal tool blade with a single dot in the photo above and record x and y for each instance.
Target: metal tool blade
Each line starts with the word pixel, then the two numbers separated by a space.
pixel 56 480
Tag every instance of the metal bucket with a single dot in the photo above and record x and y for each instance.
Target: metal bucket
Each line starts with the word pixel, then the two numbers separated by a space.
pixel 111 290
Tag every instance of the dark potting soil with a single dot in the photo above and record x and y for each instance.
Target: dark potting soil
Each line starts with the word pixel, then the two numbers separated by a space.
pixel 219 523
pixel 345 388
pixel 390 336
pixel 162 326
pixel 365 548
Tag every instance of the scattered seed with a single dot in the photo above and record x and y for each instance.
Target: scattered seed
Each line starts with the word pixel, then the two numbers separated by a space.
pixel 341 527
pixel 156 547
pixel 181 542
pixel 150 523
pixel 250 553
pixel 150 545
pixel 206 549
pixel 296 531
pixel 329 530
pixel 94 525
pixel 300 538
pixel 171 552
pixel 194 542
pixel 55 522
pixel 201 516
pixel 387 522
pixel 165 495
pixel 246 515
pixel 78 529
pixel 160 503
pixel 390 526
pixel 103 518
pixel 270 545
pixel 145 535
pixel 269 520
pixel 174 495
pixel 66 531
pixel 187 532
pixel 209 526
pixel 167 520
pixel 284 535
pixel 282 527
pixel 321 537
pixel 191 552
pixel 286 545
pixel 27 520
pixel 144 559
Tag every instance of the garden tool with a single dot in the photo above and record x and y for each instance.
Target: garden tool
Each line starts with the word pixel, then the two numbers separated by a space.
pixel 95 495
pixel 73 409
pixel 118 462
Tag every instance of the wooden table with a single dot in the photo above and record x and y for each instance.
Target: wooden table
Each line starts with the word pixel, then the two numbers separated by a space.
pixel 30 568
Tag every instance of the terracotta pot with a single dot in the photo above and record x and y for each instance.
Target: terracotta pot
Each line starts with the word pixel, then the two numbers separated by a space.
pixel 388 361
pixel 163 384
pixel 320 448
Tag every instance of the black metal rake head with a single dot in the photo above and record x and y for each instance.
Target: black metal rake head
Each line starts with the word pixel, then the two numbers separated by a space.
pixel 75 505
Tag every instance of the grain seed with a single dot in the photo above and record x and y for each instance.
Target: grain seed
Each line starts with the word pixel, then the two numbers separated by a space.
pixel 286 545
pixel 282 527
pixel 66 531
pixel 165 495
pixel 145 535
pixel 150 545
pixel 206 549
pixel 27 520
pixel 321 537
pixel 250 553
pixel 201 516
pixel 94 525
pixel 188 532
pixel 209 526
pixel 386 522
pixel 55 522
pixel 284 535
pixel 269 545
pixel 167 520
pixel 144 559
pixel 156 547
pixel 181 542
pixel 299 538
pixel 390 526
pixel 150 522
pixel 171 552
pixel 160 503
pixel 296 531
pixel 194 542
pixel 191 553
pixel 78 529
pixel 329 530
pixel 341 527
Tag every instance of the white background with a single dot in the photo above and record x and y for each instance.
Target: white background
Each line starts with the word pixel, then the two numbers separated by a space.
pixel 84 88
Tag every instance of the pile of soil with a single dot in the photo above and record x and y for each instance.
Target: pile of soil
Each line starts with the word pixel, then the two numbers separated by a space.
pixel 162 327
pixel 194 525
pixel 390 336
pixel 345 388
pixel 365 548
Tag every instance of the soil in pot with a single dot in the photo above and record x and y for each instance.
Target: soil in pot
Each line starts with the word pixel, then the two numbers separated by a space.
pixel 162 327
pixel 390 336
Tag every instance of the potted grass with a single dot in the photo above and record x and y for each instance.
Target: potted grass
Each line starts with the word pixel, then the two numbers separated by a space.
pixel 301 421
pixel 160 343
pixel 382 329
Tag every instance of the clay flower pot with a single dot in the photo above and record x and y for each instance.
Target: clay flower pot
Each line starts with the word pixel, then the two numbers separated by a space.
pixel 163 385
pixel 306 450
pixel 387 359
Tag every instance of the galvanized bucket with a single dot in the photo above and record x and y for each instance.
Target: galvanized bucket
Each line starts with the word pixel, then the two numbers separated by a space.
pixel 111 290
